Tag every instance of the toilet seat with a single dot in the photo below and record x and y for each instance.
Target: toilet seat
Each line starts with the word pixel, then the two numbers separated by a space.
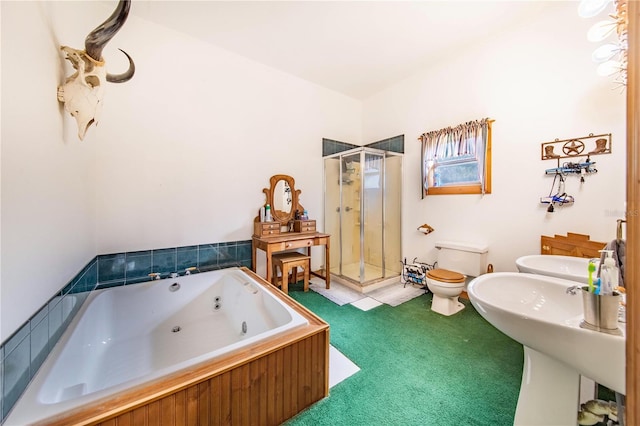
pixel 445 276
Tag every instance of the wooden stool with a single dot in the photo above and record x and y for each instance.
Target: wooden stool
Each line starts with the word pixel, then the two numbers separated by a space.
pixel 290 261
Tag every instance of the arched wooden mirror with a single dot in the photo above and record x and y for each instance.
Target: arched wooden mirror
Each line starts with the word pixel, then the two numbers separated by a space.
pixel 283 198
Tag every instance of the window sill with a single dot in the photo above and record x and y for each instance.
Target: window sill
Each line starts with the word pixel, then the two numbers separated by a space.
pixel 448 190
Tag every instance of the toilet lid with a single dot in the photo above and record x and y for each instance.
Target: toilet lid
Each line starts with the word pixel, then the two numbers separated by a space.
pixel 446 276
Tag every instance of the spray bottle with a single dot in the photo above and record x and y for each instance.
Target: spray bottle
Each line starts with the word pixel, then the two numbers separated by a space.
pixel 608 274
pixel 267 213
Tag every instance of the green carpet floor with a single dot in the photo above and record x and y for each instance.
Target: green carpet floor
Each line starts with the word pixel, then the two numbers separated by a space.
pixel 417 367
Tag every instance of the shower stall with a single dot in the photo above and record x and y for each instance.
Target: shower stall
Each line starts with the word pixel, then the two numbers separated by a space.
pixel 362 198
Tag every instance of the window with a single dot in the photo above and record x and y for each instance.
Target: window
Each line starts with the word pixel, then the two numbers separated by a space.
pixel 457 160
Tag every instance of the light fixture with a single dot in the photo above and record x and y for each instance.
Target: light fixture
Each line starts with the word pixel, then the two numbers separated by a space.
pixel 609 68
pixel 600 31
pixel 606 52
pixel 611 56
pixel 591 8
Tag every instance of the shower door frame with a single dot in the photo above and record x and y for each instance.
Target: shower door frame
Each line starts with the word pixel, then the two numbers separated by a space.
pixel 362 151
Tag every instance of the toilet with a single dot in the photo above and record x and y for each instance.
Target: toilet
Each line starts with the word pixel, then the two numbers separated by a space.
pixel 457 261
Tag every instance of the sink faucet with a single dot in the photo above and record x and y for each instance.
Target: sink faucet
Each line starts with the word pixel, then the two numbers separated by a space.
pixel 573 290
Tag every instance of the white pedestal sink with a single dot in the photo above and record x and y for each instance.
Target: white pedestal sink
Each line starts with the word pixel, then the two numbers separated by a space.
pixel 569 268
pixel 537 311
pixel 566 267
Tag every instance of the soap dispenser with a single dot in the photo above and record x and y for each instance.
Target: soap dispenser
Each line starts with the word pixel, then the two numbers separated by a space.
pixel 609 274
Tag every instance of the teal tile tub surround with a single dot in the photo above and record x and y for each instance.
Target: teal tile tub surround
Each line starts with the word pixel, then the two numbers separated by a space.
pixel 134 267
pixel 22 354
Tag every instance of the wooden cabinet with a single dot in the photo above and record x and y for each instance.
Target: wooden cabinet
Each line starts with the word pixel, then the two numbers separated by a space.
pixel 265 229
pixel 304 226
pixel 576 245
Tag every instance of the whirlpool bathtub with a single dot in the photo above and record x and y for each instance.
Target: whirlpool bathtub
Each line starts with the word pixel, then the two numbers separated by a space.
pixel 127 337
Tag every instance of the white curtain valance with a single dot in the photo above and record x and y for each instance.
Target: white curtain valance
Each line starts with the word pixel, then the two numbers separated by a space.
pixel 466 141
pixel 462 140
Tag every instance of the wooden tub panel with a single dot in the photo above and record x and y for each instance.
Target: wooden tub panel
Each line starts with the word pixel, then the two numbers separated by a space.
pixel 237 396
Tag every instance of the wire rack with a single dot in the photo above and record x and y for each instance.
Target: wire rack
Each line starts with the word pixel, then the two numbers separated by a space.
pixel 415 273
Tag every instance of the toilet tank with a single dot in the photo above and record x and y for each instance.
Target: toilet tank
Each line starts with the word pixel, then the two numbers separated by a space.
pixel 466 258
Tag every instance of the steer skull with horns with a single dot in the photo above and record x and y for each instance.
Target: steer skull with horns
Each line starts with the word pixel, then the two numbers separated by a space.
pixel 83 91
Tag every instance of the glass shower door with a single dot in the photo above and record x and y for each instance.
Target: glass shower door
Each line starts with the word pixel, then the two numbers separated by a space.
pixel 392 203
pixel 349 210
pixel 358 193
pixel 372 205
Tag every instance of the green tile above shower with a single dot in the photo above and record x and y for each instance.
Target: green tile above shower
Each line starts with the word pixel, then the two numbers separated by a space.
pixel 394 144
pixel 330 147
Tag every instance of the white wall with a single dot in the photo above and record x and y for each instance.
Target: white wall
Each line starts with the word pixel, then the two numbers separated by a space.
pixel 190 142
pixel 539 84
pixel 180 156
pixel 48 216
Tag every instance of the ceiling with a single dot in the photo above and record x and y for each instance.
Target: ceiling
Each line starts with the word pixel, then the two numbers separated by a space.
pixel 353 47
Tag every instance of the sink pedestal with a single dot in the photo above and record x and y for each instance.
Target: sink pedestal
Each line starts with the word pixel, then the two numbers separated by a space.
pixel 549 393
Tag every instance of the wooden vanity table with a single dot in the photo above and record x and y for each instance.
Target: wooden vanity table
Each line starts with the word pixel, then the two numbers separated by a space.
pixel 285 233
pixel 289 241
